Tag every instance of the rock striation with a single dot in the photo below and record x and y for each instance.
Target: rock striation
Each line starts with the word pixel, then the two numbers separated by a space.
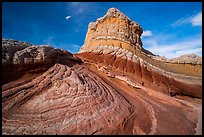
pixel 165 77
pixel 63 100
pixel 112 86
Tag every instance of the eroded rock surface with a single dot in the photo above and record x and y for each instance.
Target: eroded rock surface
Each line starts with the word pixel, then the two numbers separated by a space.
pixel 20 57
pixel 22 53
pixel 113 86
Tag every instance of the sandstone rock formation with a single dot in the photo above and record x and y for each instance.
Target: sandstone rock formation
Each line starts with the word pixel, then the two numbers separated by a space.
pixel 20 57
pixel 188 59
pixel 114 29
pixel 112 86
pixel 177 76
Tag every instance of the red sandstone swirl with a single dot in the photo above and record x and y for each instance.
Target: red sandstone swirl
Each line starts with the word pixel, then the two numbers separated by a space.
pixel 64 100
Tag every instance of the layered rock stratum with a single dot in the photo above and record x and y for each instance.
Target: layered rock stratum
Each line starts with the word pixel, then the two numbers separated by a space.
pixel 112 86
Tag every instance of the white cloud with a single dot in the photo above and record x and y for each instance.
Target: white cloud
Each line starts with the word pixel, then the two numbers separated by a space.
pixel 189 51
pixel 192 46
pixel 181 21
pixel 147 33
pixel 68 17
pixel 197 20
pixel 194 20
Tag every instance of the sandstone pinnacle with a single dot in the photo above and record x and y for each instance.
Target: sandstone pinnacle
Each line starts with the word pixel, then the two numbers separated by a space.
pixel 113 29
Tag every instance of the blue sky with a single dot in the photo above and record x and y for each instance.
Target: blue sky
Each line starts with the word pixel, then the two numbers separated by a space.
pixel 170 29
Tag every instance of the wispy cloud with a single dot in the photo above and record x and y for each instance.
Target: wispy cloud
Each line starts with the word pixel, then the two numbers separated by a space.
pixel 67 17
pixel 194 20
pixel 197 20
pixel 147 33
pixel 76 46
pixel 193 46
